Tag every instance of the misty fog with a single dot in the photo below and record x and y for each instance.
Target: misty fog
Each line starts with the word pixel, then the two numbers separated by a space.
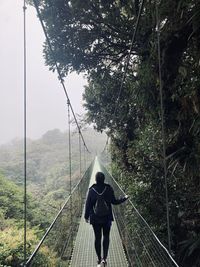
pixel 46 102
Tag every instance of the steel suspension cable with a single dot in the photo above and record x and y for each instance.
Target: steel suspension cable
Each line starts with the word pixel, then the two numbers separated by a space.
pixel 25 136
pixel 80 156
pixel 84 159
pixel 58 69
pixel 129 55
pixel 163 127
pixel 50 228
pixel 70 161
pixel 127 63
pixel 80 168
pixel 105 144
pixel 144 222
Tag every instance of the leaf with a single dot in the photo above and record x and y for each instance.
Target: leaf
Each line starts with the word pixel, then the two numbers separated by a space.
pixel 183 71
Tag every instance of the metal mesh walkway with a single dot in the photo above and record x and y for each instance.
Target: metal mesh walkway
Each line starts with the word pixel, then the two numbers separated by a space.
pixel 84 252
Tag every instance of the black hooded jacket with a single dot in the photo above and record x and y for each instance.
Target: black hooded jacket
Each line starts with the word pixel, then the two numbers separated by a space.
pixel 110 199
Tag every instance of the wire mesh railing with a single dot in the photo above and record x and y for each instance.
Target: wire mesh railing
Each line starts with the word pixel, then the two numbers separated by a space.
pixel 141 245
pixel 55 248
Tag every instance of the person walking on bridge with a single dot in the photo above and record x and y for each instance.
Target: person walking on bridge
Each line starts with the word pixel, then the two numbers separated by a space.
pixel 98 211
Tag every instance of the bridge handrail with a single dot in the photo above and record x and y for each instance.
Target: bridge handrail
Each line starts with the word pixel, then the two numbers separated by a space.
pixel 55 220
pixel 141 217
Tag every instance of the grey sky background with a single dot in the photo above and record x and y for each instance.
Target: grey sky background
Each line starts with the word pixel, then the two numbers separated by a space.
pixel 46 102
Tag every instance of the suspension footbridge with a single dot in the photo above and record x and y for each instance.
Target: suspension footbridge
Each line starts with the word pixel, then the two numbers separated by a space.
pixel 71 241
pixel 83 253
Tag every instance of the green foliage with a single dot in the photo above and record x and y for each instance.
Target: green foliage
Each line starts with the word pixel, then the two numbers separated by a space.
pixel 47 159
pixel 11 247
pixel 142 174
pixel 10 193
pixel 48 188
pixel 87 34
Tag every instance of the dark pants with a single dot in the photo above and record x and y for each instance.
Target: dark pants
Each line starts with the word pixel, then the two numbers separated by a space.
pixel 98 229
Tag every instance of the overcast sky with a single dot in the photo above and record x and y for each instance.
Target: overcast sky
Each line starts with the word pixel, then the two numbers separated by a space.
pixel 46 105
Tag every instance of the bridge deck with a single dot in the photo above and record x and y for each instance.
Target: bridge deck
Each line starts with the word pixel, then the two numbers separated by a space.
pixel 84 252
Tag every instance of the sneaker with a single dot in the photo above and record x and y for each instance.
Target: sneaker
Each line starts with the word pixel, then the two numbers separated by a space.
pixel 104 263
pixel 99 263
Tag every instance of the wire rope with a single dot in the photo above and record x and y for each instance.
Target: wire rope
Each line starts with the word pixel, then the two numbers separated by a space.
pixel 163 127
pixel 30 260
pixel 129 55
pixel 25 134
pixel 80 155
pixel 105 144
pixel 70 161
pixel 142 218
pixel 58 69
pixel 127 62
pixel 145 236
pixel 84 159
pixel 80 168
pixel 139 232
pixel 130 241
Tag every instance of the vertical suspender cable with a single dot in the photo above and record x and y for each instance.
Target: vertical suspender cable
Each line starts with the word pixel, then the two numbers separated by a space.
pixel 56 65
pixel 25 156
pixel 163 129
pixel 84 159
pixel 80 169
pixel 107 153
pixel 80 156
pixel 129 56
pixel 127 61
pixel 70 161
pixel 106 144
